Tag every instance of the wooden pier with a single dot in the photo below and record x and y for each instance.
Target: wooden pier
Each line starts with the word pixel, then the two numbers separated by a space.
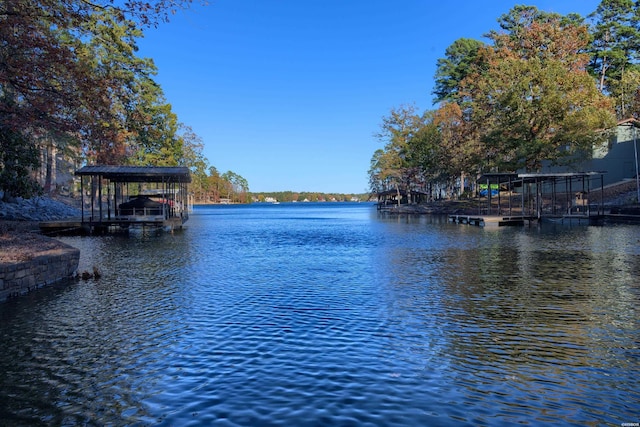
pixel 575 219
pixel 60 227
pixel 491 220
pixel 77 226
pixel 502 221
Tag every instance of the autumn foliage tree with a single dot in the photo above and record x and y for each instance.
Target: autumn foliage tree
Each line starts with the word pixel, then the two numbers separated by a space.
pixel 393 168
pixel 524 98
pixel 536 101
pixel 69 73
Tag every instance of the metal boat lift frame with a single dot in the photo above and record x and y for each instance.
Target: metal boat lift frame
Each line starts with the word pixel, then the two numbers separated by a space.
pixel 109 186
pixel 546 191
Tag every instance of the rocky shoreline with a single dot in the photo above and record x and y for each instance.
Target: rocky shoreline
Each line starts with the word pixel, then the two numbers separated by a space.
pixel 38 209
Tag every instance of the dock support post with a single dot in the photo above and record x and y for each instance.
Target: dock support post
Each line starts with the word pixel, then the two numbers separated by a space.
pixel 602 193
pixel 82 198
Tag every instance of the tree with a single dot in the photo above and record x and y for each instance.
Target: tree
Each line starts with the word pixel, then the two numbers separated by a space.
pixel 454 68
pixel 376 172
pixel 397 130
pixel 536 100
pixel 410 160
pixel 214 185
pixel 132 103
pixel 153 139
pixel 65 65
pixel 518 20
pixel 16 160
pixel 460 152
pixel 629 93
pixel 40 80
pixel 615 48
pixel 236 186
pixel 385 171
pixel 193 158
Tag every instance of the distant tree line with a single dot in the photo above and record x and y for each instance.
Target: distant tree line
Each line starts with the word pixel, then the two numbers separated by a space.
pixel 302 196
pixel 545 87
pixel 72 85
pixel 216 188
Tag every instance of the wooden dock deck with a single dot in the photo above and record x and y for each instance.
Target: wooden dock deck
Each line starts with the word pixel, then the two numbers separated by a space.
pixel 77 226
pixel 67 226
pixel 574 219
pixel 502 221
pixel 491 220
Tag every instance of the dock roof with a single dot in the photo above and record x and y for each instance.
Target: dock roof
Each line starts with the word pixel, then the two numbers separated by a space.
pixel 501 177
pixel 137 173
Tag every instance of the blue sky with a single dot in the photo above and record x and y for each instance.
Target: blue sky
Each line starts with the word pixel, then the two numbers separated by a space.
pixel 290 93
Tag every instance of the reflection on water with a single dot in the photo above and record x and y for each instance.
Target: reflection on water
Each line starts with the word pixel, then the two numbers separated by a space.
pixel 316 314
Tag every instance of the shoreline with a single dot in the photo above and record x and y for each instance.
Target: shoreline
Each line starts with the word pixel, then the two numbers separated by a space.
pixel 29 260
pixel 21 239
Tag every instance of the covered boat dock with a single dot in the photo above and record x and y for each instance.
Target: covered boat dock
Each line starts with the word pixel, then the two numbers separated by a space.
pixel 120 197
pixel 519 198
pixel 391 199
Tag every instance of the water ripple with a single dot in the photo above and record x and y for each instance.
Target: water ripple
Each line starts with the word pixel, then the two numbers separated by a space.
pixel 331 316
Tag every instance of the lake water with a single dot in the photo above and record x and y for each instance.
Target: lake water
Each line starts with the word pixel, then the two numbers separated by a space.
pixel 332 314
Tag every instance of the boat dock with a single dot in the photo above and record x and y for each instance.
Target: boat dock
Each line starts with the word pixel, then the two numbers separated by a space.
pixel 117 198
pixel 502 221
pixel 78 226
pixel 575 219
pixel 491 220
pixel 68 226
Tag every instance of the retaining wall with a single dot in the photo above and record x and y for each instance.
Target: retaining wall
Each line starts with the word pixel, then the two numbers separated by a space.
pixel 43 269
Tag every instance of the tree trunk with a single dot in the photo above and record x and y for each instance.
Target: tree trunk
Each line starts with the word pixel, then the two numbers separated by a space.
pixel 50 175
pixel 622 100
pixel 603 71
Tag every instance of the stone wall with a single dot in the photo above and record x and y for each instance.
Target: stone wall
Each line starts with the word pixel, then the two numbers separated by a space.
pixel 43 269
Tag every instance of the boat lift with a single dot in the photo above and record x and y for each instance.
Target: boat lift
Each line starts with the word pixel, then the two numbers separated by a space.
pixel 133 196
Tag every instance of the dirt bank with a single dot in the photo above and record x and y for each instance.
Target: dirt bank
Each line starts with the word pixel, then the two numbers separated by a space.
pixel 20 241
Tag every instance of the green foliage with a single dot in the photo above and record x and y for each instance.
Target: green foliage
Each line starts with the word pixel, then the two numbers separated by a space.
pixel 536 101
pixel 415 156
pixel 615 51
pixel 71 70
pixel 304 196
pixel 235 187
pixel 454 68
pixel 16 159
pixel 396 166
pixel 214 187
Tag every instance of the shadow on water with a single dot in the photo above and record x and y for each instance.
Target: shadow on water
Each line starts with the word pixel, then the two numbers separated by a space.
pixel 80 356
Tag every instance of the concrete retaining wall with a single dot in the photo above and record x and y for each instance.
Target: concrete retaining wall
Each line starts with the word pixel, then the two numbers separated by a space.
pixel 44 269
